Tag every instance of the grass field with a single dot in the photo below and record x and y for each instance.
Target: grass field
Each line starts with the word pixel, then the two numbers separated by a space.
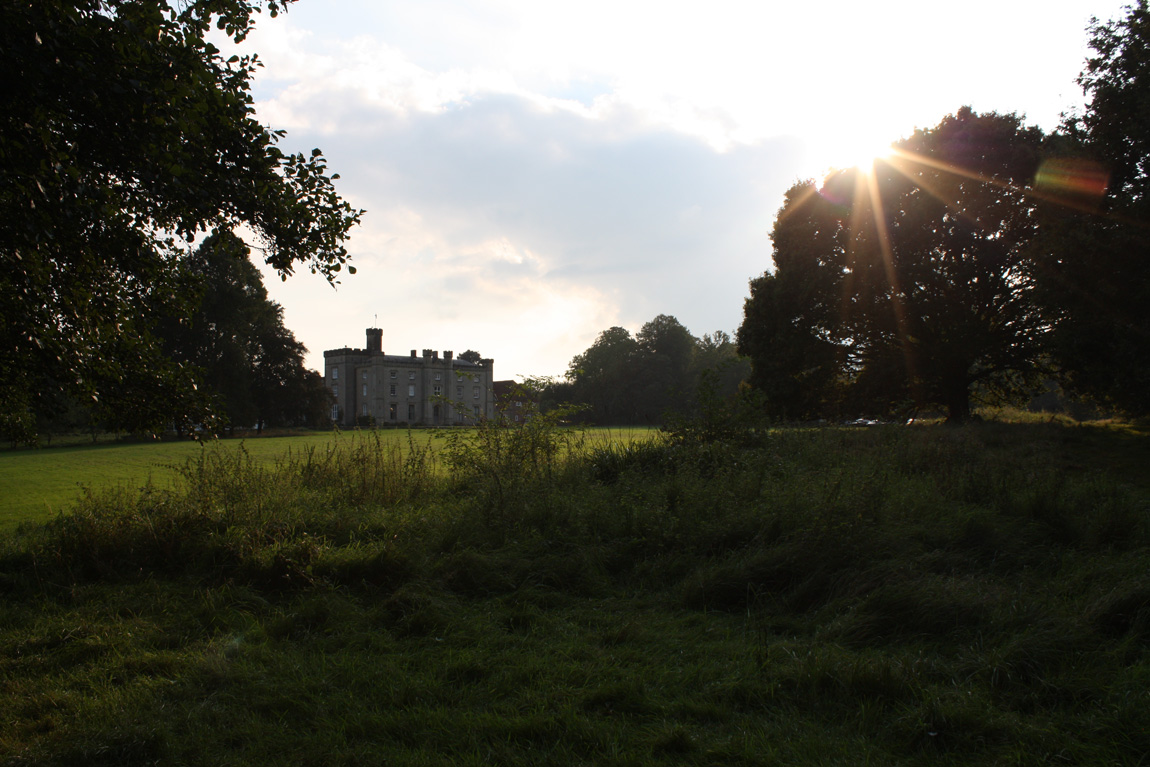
pixel 35 485
pixel 913 596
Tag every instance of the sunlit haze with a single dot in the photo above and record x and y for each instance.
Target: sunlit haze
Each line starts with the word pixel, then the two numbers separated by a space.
pixel 534 173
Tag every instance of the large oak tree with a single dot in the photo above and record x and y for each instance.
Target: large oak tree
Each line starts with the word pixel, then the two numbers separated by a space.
pixel 906 283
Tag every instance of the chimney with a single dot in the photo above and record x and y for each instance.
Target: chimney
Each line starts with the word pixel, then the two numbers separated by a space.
pixel 374 340
pixel 413 353
pixel 448 356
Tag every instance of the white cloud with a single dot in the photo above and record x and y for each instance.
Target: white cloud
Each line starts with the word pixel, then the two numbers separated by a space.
pixel 534 173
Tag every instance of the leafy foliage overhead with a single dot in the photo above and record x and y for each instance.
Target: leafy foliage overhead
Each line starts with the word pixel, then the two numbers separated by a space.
pixel 124 135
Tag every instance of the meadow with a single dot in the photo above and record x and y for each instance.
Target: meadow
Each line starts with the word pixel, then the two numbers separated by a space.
pixel 35 485
pixel 885 595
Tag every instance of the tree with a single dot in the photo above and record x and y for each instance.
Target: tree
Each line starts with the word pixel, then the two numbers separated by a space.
pixel 471 356
pixel 716 356
pixel 625 379
pixel 1094 267
pixel 125 135
pixel 601 377
pixel 793 328
pixel 236 342
pixel 909 281
pixel 665 353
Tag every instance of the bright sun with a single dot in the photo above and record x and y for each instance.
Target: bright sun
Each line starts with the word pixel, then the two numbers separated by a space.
pixel 861 151
pixel 848 149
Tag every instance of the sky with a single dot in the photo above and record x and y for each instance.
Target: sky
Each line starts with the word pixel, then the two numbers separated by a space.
pixel 536 172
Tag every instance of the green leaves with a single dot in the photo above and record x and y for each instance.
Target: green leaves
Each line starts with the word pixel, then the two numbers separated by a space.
pixel 125 134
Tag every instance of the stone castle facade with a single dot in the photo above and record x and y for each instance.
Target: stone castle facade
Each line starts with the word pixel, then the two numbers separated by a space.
pixel 417 390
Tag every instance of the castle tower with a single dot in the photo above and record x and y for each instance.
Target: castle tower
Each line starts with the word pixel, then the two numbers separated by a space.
pixel 375 340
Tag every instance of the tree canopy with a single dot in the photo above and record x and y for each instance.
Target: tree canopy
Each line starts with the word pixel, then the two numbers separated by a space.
pixel 471 356
pixel 625 379
pixel 235 340
pixel 124 136
pixel 905 283
pixel 1094 272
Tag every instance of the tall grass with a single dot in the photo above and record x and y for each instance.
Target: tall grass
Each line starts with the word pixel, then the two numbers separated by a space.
pixel 916 595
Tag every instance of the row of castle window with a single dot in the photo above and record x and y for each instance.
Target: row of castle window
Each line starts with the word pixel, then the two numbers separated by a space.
pixel 410 389
pixel 438 390
pixel 395 374
pixel 393 412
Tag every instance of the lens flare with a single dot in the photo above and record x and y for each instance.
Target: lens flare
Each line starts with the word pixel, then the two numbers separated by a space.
pixel 1082 180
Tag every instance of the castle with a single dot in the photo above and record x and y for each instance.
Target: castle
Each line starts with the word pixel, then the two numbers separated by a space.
pixel 424 390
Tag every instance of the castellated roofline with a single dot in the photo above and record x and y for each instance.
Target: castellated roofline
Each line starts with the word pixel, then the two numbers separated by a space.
pixel 431 388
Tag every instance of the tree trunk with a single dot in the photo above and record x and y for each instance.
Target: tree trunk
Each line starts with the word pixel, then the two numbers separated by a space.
pixel 958 404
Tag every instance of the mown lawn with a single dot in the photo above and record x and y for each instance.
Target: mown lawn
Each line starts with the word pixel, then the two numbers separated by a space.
pixel 917 596
pixel 37 484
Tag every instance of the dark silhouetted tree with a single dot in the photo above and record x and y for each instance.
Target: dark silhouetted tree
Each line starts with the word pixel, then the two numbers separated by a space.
pixel 236 342
pixel 124 135
pixel 660 374
pixel 793 328
pixel 1094 265
pixel 642 379
pixel 908 283
pixel 602 377
pixel 716 355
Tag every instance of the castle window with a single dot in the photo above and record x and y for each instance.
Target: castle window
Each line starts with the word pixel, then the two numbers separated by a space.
pixel 411 390
pixel 438 376
pixel 475 392
pixel 391 411
pixel 365 375
pixel 394 373
pixel 365 393
pixel 411 375
pixel 365 409
pixel 411 413
pixel 335 391
pixel 335 412
pixel 458 391
pixel 392 390
pixel 438 390
pixel 335 374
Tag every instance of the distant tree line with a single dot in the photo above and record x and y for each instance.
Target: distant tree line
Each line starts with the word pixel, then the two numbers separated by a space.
pixel 980 256
pixel 640 379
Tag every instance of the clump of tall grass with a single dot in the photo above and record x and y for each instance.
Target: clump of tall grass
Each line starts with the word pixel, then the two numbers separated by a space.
pixel 500 465
pixel 230 516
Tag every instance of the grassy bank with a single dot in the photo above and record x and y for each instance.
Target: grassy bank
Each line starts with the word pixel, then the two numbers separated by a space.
pixel 888 595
